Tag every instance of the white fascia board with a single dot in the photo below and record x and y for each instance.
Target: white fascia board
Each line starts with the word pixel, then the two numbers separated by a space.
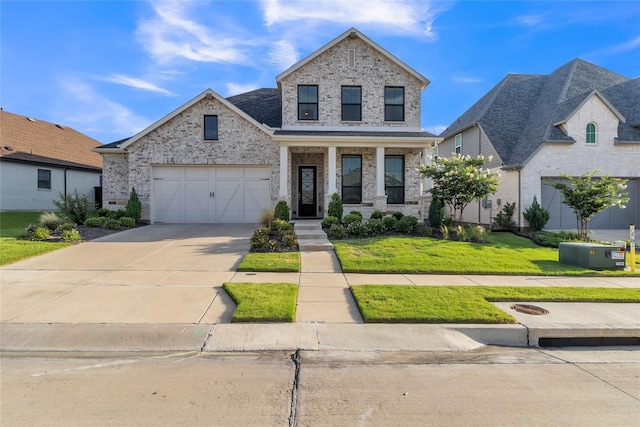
pixel 355 141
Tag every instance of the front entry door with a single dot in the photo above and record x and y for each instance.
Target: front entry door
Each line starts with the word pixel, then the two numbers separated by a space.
pixel 307 202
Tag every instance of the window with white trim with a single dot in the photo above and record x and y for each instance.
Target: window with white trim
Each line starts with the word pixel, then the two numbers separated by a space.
pixel 44 179
pixel 458 143
pixel 307 102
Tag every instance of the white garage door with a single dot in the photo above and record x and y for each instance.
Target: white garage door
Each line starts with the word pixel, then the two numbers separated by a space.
pixel 210 194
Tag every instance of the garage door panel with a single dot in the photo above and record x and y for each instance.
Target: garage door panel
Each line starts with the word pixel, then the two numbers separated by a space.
pixel 197 202
pixel 257 173
pixel 168 201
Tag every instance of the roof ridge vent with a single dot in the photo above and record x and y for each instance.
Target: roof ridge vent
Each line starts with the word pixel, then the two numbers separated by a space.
pixel 58 126
pixel 31 119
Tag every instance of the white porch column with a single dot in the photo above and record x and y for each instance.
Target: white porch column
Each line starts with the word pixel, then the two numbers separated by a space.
pixel 331 163
pixel 379 171
pixel 284 173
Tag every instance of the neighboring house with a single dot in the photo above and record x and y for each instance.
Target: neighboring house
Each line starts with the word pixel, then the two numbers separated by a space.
pixel 41 160
pixel 578 118
pixel 345 119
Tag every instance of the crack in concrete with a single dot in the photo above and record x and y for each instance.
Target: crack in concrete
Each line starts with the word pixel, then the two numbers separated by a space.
pixel 293 412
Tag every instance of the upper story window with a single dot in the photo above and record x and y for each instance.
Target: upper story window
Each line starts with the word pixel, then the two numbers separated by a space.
pixel 351 103
pixel 210 128
pixel 458 143
pixel 436 150
pixel 393 104
pixel 307 102
pixel 591 133
pixel 394 179
pixel 44 179
pixel 352 178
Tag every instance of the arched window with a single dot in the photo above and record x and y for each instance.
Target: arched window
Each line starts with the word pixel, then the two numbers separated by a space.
pixel 591 133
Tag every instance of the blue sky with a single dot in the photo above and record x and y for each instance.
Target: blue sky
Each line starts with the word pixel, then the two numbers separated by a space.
pixel 111 68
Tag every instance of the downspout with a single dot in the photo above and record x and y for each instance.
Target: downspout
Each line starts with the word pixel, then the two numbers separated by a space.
pixel 479 153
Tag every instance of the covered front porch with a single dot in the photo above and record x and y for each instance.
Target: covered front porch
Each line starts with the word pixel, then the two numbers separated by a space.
pixel 368 172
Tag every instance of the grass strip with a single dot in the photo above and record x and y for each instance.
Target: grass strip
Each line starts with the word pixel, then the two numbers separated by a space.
pixel 263 302
pixel 12 229
pixel 504 254
pixel 466 304
pixel 278 262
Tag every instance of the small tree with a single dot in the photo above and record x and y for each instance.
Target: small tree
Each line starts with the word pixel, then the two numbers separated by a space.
pixel 588 195
pixel 536 215
pixel 335 206
pixel 436 212
pixel 134 207
pixel 504 218
pixel 460 180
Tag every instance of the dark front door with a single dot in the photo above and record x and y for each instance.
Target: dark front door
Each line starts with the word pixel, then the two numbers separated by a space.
pixel 307 202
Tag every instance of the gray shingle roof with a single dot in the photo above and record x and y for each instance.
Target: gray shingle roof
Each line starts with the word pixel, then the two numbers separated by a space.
pixel 519 112
pixel 261 104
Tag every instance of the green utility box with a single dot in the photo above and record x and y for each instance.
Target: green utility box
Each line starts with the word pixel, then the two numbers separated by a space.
pixel 592 256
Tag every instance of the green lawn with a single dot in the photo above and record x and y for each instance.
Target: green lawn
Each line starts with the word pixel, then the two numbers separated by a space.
pixel 12 229
pixel 505 253
pixel 263 302
pixel 466 304
pixel 280 262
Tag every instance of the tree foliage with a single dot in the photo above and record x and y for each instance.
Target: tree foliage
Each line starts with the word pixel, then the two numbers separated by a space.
pixel 588 195
pixel 536 215
pixel 460 180
pixel 134 207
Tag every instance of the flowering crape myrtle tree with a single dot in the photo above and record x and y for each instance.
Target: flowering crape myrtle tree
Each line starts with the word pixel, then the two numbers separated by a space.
pixel 588 195
pixel 460 180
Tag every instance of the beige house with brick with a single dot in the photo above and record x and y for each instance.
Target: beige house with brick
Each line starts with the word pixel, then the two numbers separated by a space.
pixel 345 119
pixel 579 118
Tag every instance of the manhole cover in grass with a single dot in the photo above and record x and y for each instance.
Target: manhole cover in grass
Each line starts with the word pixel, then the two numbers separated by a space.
pixel 529 309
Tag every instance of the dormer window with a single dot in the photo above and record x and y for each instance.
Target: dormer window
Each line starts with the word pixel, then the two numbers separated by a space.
pixel 308 102
pixel 591 133
pixel 393 104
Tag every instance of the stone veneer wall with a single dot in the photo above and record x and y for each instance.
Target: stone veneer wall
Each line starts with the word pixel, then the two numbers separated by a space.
pixel 180 141
pixel 330 71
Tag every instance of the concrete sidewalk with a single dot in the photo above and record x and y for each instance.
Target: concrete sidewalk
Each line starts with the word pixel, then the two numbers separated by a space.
pixel 159 288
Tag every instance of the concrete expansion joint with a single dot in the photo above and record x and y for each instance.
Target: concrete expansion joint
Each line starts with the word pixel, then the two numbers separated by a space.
pixel 293 412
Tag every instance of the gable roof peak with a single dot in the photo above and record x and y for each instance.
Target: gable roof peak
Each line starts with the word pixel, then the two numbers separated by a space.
pixel 353 33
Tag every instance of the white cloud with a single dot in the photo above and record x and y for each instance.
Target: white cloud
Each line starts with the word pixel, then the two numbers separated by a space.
pixel 172 34
pixel 462 79
pixel 94 112
pixel 435 129
pixel 530 20
pixel 236 88
pixel 401 16
pixel 283 54
pixel 614 50
pixel 121 79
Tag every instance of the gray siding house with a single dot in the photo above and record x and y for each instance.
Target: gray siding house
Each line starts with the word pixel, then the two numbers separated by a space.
pixel 578 118
pixel 345 119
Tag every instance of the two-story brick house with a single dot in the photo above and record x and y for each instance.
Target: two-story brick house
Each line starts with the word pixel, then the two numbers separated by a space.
pixel 345 119
pixel 578 118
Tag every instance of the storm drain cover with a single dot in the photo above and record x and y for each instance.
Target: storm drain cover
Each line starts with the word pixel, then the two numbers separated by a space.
pixel 529 309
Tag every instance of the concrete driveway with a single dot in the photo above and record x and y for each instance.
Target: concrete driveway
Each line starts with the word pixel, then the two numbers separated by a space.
pixel 171 274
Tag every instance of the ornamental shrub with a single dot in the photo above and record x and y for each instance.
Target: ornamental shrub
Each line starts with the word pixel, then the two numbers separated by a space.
pixel 111 224
pixel 504 218
pixel 377 214
pixel 479 234
pixel 328 221
pixel 461 232
pixel 41 233
pixel 337 231
pixel 259 239
pixel 406 224
pixel 50 221
pixel 95 221
pixel 280 226
pixel 357 229
pixel 72 235
pixel 103 212
pixel 74 207
pixel 436 212
pixel 335 206
pixel 536 215
pixel 281 211
pixel 64 227
pixel 424 231
pixel 375 226
pixel 351 218
pixel 389 222
pixel 31 228
pixel 127 222
pixel 289 240
pixel 134 207
pixel 266 217
pixel 397 215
